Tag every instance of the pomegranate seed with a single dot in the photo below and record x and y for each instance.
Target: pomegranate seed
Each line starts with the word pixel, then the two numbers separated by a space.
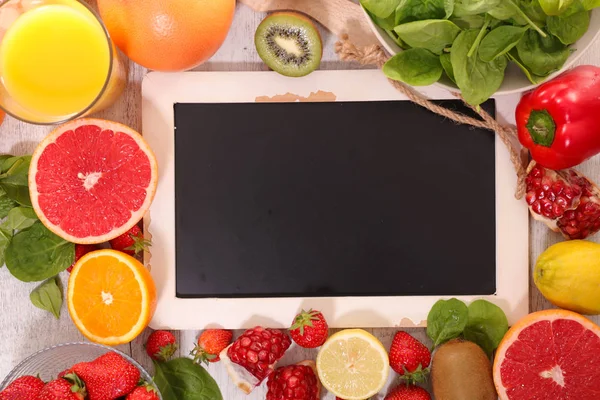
pixel 530 198
pixel 537 207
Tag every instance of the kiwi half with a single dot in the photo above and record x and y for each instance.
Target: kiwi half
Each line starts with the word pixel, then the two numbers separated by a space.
pixel 289 43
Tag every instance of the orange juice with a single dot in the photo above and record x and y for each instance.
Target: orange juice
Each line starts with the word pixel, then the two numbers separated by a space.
pixel 55 60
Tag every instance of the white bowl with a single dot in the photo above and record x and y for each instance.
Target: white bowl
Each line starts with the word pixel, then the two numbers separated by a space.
pixel 515 80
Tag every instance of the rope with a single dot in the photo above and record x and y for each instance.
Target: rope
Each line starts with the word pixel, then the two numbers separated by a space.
pixel 374 55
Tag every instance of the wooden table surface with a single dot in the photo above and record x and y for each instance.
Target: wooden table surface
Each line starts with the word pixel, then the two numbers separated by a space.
pixel 24 329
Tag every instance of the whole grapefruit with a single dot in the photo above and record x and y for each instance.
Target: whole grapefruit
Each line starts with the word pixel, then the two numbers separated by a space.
pixel 172 35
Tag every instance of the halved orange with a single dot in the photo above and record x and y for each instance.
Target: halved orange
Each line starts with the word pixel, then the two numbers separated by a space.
pixel 111 297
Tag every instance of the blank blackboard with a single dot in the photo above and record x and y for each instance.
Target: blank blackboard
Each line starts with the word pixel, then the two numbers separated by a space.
pixel 332 199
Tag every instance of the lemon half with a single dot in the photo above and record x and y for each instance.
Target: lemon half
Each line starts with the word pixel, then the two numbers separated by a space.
pixel 353 364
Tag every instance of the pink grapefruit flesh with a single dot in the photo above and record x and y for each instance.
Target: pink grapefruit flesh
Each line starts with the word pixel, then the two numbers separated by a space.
pixel 92 180
pixel 552 355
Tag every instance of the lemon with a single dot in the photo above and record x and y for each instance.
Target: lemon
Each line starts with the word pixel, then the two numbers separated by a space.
pixel 568 275
pixel 353 364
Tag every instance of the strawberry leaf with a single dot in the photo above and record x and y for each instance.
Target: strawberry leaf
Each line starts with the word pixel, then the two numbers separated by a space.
pixel 139 243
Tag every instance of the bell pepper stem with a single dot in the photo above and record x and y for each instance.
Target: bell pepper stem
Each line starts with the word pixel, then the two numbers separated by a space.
pixel 541 127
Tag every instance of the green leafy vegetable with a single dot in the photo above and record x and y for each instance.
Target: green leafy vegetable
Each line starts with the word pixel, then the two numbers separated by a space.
pixel 14 179
pixel 486 326
pixel 36 254
pixel 590 4
pixel 5 238
pixel 19 218
pixel 474 7
pixel 571 25
pixel 417 10
pixel 418 67
pixel 446 321
pixel 182 379
pixel 447 65
pixel 6 204
pixel 449 7
pixel 477 79
pixel 469 22
pixel 540 55
pixel 48 296
pixel 380 8
pixel 555 7
pixel 431 34
pixel 514 57
pixel 500 41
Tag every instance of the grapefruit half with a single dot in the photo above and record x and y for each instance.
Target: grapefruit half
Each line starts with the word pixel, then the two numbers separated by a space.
pixel 552 354
pixel 91 180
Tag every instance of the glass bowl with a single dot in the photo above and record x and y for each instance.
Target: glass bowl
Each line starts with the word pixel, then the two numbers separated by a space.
pixel 48 363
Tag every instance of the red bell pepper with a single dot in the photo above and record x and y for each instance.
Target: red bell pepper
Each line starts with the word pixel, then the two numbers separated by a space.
pixel 559 122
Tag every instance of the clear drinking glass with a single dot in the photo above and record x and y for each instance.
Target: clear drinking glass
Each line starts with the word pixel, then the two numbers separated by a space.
pixel 50 362
pixel 57 61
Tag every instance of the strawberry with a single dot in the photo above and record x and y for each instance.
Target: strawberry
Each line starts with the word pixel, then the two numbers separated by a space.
pixel 68 388
pixel 309 329
pixel 161 345
pixel 294 382
pixel 144 392
pixel 210 344
pixel 23 388
pixel 409 357
pixel 408 392
pixel 108 377
pixel 80 251
pixel 252 357
pixel 131 242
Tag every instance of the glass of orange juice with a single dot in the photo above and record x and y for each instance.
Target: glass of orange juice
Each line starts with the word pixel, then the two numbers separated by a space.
pixel 57 61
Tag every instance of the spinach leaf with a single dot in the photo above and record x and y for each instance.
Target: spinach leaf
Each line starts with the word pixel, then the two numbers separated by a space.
pixel 384 23
pixel 380 8
pixel 503 11
pixel 19 218
pixel 396 39
pixel 555 7
pixel 532 10
pixel 500 41
pixel 36 254
pixel 417 10
pixel 540 55
pixel 535 79
pixel 431 34
pixel 446 320
pixel 449 8
pixel 5 238
pixel 6 204
pixel 182 379
pixel 417 67
pixel 477 79
pixel 571 25
pixel 447 65
pixel 486 326
pixel 14 179
pixel 590 4
pixel 523 18
pixel 474 7
pixel 48 296
pixel 469 22
pixel 17 193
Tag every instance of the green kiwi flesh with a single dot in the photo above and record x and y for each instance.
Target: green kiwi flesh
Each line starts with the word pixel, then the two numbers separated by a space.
pixel 289 43
pixel 460 370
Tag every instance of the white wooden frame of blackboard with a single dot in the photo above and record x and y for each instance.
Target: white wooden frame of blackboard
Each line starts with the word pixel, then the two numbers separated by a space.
pixel 160 91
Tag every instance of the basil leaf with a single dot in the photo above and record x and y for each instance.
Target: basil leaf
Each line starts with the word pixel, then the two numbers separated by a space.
pixel 48 296
pixel 182 379
pixel 19 218
pixel 417 67
pixel 36 254
pixel 432 34
pixel 380 8
pixel 5 238
pixel 446 320
pixel 487 325
pixel 500 41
